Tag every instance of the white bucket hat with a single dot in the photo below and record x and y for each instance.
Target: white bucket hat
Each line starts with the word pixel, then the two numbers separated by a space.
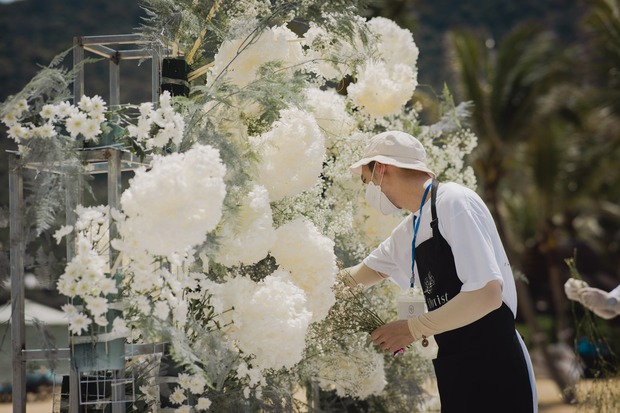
pixel 394 148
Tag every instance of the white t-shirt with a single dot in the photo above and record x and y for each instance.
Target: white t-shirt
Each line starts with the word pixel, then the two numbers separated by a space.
pixel 468 227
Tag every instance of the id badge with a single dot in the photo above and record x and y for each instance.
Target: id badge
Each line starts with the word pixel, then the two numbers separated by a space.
pixel 411 303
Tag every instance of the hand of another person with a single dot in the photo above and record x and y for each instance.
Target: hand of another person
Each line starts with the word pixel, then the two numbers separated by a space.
pixel 392 336
pixel 598 301
pixel 572 288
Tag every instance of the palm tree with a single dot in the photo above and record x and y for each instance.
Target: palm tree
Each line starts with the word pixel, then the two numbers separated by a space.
pixel 507 86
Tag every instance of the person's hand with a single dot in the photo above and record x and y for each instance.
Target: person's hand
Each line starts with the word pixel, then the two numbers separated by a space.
pixel 392 336
pixel 597 301
pixel 572 288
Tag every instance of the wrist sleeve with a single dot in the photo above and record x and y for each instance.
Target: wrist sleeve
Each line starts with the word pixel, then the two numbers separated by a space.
pixel 463 309
pixel 363 274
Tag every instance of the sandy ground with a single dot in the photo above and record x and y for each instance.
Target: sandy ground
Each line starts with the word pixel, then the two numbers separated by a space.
pixel 548 393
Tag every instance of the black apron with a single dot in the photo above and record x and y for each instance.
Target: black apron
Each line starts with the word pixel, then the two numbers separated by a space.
pixel 479 367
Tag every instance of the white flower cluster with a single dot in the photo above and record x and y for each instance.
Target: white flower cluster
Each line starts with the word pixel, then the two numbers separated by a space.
pixel 156 128
pixel 190 384
pixel 309 257
pixel 331 114
pixel 332 57
pixel 385 73
pixel 87 277
pixel 358 371
pixel 292 154
pixel 173 205
pixel 380 91
pixel 85 119
pixel 239 59
pixel 248 237
pixel 293 198
pixel 447 153
pixel 269 318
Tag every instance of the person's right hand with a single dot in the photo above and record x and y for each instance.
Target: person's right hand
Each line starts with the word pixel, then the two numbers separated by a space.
pixel 572 287
pixel 597 301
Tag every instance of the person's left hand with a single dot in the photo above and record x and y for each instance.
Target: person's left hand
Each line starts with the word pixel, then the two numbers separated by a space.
pixel 392 336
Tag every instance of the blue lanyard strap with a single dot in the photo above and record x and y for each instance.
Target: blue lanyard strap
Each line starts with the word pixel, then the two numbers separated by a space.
pixel 416 226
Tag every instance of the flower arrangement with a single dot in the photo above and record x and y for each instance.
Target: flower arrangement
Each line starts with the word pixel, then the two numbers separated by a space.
pixel 229 236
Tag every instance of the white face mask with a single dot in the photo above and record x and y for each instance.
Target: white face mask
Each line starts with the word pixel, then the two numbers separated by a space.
pixel 378 200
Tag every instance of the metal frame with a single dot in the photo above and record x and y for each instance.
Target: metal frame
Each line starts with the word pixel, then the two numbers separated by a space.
pixel 99 45
pixel 110 160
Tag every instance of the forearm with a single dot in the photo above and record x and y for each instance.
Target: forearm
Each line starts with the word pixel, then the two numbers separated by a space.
pixel 362 274
pixel 463 309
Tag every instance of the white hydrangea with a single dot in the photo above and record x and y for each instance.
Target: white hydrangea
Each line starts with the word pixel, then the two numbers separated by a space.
pixel 380 90
pixel 238 60
pixel 172 206
pixel 249 236
pixel 395 45
pixel 309 256
pixel 269 318
pixel 330 111
pixel 292 154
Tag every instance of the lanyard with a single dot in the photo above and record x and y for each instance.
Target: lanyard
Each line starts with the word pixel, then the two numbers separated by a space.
pixel 416 226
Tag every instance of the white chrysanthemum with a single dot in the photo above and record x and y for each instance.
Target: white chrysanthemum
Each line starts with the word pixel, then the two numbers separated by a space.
pixel 119 327
pixel 197 384
pixel 292 154
pixel 19 132
pixel 270 319
pixel 49 111
pixel 91 130
pixel 173 206
pixel 84 272
pixel 238 60
pixel 10 118
pixel 170 125
pixel 309 257
pixel 248 238
pixel 151 393
pixel 381 91
pixel 76 124
pixel 21 107
pixel 203 403
pixel 61 232
pixel 395 44
pixel 330 111
pixel 97 107
pixel 66 109
pixel 178 396
pixel 70 311
pixel 45 131
pixel 96 305
pixel 79 323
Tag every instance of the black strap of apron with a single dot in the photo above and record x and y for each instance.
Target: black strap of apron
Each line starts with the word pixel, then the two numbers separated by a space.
pixel 434 222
